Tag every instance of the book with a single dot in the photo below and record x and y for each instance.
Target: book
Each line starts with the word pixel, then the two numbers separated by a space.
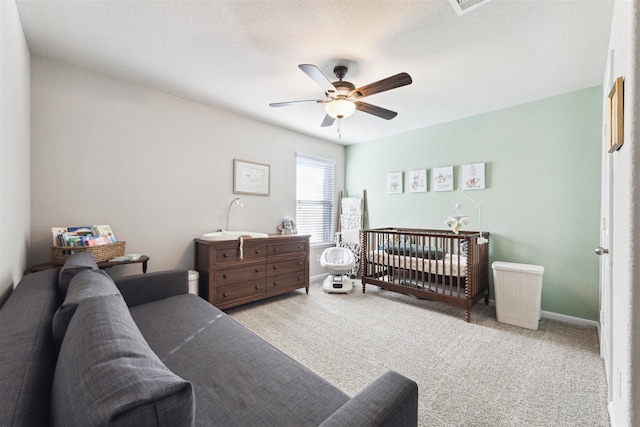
pixel 95 240
pixel 72 240
pixel 127 257
pixel 81 231
pixel 57 235
pixel 104 231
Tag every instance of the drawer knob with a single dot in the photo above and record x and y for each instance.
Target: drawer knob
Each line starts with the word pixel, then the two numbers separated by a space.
pixel 299 262
pixel 275 283
pixel 275 249
pixel 257 287
pixel 275 267
pixel 225 276
pixel 300 247
pixel 257 270
pixel 225 295
pixel 257 251
pixel 224 255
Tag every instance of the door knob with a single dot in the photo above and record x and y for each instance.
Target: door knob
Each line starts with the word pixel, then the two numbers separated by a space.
pixel 601 251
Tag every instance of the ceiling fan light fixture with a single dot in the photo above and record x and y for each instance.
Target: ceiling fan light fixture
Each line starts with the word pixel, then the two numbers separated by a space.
pixel 342 98
pixel 340 108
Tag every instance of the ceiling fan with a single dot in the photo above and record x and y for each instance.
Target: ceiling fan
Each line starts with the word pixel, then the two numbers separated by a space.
pixel 342 98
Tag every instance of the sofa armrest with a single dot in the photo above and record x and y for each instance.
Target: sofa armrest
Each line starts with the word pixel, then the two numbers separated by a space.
pixel 391 400
pixel 142 288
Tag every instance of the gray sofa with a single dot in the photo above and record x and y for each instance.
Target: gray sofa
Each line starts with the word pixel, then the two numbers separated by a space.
pixel 78 349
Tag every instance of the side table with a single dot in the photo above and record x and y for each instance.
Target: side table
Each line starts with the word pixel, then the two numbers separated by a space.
pixel 105 264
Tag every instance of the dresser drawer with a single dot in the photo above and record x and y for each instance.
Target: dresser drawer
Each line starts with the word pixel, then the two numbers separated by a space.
pixel 229 275
pixel 287 266
pixel 228 294
pixel 231 252
pixel 287 247
pixel 286 283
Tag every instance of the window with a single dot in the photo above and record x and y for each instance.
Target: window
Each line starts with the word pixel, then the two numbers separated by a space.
pixel 314 198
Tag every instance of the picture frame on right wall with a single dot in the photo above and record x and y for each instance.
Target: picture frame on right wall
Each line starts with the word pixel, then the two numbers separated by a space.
pixel 394 183
pixel 418 181
pixel 473 176
pixel 615 116
pixel 443 178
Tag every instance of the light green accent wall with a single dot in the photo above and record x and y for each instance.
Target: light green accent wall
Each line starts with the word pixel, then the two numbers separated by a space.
pixel 542 198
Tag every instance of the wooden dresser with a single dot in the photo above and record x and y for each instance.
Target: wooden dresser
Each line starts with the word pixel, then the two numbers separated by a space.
pixel 231 275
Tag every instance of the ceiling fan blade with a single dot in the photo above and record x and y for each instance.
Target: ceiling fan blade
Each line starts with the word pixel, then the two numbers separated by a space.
pixel 383 113
pixel 328 121
pixel 285 104
pixel 318 77
pixel 399 80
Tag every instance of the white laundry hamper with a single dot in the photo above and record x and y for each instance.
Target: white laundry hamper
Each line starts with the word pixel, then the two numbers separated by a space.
pixel 518 290
pixel 194 278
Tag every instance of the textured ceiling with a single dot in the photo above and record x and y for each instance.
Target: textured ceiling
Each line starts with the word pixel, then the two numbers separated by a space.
pixel 241 55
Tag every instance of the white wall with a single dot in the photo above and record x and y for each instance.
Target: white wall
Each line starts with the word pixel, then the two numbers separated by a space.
pixel 14 148
pixel 625 372
pixel 155 167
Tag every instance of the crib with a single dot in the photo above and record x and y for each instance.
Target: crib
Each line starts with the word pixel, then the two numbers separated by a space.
pixel 432 264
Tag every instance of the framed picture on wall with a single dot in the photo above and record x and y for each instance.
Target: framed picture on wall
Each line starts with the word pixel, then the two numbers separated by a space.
pixel 394 182
pixel 473 176
pixel 615 116
pixel 443 179
pixel 251 178
pixel 418 181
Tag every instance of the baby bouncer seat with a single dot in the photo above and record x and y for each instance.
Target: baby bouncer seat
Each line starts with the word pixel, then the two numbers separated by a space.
pixel 342 261
pixel 338 261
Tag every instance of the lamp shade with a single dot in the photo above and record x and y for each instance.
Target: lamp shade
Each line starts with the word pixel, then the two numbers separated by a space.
pixel 340 108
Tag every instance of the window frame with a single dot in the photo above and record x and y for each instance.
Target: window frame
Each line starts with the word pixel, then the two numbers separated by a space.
pixel 325 202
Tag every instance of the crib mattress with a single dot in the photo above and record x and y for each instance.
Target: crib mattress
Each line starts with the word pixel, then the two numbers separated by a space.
pixel 449 265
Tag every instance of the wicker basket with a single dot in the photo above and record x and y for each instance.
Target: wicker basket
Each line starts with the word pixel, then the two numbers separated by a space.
pixel 100 253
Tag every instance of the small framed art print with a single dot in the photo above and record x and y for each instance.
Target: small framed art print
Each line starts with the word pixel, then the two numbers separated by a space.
pixel 615 116
pixel 251 178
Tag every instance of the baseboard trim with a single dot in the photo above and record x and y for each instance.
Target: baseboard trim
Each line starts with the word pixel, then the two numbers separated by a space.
pixel 612 420
pixel 569 319
pixel 318 277
pixel 564 318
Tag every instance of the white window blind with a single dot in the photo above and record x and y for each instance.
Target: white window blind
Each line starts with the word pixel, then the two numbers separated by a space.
pixel 314 198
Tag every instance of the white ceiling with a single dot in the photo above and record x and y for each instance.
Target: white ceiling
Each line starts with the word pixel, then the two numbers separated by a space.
pixel 241 55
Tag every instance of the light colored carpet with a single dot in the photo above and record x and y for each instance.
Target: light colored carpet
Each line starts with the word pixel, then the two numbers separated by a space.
pixel 482 373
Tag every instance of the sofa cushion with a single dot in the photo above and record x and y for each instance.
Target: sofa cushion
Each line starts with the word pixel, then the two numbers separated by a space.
pixel 85 284
pixel 107 375
pixel 147 287
pixel 233 371
pixel 27 352
pixel 75 264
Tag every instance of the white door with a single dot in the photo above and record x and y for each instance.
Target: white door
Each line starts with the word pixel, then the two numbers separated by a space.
pixel 606 320
pixel 606 312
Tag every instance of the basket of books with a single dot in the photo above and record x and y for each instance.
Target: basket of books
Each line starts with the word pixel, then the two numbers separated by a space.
pixel 100 253
pixel 98 240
